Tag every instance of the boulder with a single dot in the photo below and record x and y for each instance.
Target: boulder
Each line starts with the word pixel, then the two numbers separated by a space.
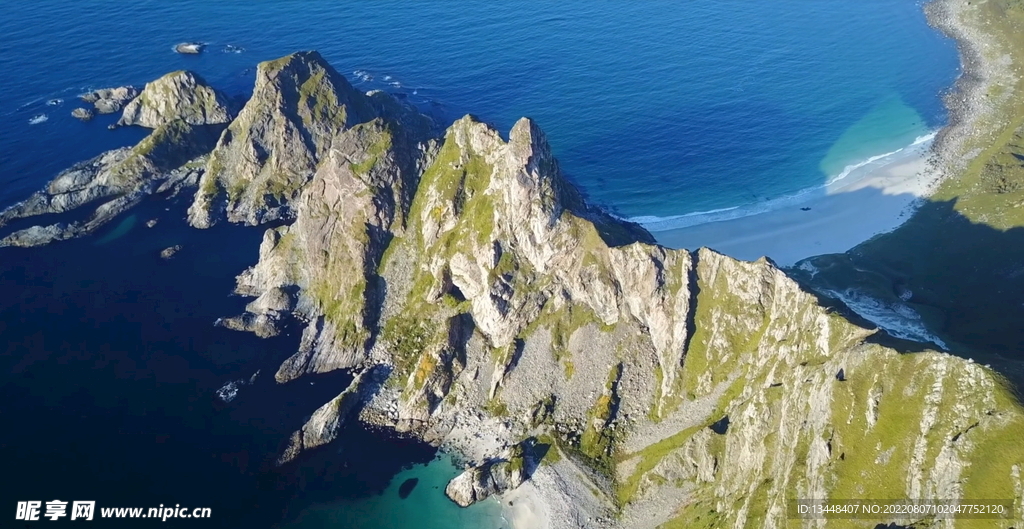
pixel 170 251
pixel 496 476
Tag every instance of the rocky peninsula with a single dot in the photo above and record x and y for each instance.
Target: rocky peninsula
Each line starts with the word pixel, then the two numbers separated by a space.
pixel 484 307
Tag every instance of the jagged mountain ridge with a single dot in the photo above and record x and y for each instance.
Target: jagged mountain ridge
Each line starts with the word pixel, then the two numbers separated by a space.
pixel 269 152
pixel 187 116
pixel 477 293
pixel 501 293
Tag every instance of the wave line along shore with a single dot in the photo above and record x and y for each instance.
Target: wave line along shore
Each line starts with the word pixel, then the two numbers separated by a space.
pixel 880 200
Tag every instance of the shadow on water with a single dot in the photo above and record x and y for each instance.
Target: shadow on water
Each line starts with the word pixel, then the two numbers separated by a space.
pixel 110 366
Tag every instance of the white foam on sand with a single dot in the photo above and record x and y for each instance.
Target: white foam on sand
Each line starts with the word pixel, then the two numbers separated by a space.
pixel 868 198
pixel 898 319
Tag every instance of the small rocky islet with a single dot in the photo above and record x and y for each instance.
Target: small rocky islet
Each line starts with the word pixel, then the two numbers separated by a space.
pixel 484 307
pixel 189 48
pixel 104 101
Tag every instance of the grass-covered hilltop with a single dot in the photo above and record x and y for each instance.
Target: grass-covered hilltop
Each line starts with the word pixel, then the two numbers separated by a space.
pixel 485 308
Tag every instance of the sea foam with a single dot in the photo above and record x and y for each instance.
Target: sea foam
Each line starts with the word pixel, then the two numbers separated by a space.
pixel 897 319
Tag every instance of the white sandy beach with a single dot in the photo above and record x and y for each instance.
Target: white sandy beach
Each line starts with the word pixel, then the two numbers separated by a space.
pixel 873 199
pixel 523 508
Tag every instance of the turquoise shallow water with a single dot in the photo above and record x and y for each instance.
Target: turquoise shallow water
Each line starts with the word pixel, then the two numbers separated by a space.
pixel 656 109
pixel 426 507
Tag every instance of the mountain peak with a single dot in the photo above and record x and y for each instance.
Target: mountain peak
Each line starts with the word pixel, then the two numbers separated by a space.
pixel 181 95
pixel 299 103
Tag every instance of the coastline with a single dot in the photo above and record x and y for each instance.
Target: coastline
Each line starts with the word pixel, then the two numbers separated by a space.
pixel 558 494
pixel 874 198
pixel 956 261
pixel 845 218
pixel 878 201
pixel 847 212
pixel 970 99
pixel 946 155
pixel 871 198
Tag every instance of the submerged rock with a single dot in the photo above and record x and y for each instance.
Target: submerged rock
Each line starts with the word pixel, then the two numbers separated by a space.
pixel 170 251
pixel 407 486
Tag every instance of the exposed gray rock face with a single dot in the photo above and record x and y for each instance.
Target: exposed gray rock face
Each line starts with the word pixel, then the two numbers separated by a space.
pixel 114 182
pixel 189 48
pixel 493 477
pixel 265 314
pixel 325 423
pixel 111 100
pixel 352 190
pixel 178 95
pixel 83 114
pixel 270 152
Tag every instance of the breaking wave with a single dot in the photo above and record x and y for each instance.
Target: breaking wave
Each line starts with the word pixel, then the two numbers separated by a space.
pixel 897 319
pixel 229 391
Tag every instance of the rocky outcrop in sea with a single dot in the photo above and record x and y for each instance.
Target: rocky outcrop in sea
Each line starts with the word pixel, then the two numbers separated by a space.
pixel 495 476
pixel 110 100
pixel 178 95
pixel 189 48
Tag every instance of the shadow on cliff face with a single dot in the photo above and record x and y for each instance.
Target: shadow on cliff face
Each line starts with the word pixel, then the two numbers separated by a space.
pixel 964 279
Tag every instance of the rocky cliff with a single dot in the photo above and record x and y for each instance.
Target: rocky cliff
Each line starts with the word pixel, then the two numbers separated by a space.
pixel 169 159
pixel 487 307
pixel 270 152
pixel 178 95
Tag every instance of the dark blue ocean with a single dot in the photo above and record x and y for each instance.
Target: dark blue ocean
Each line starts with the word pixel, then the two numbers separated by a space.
pixel 656 109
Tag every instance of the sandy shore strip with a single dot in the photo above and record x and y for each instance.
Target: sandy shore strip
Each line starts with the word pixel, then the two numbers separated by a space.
pixel 841 218
pixel 523 508
pixel 876 199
